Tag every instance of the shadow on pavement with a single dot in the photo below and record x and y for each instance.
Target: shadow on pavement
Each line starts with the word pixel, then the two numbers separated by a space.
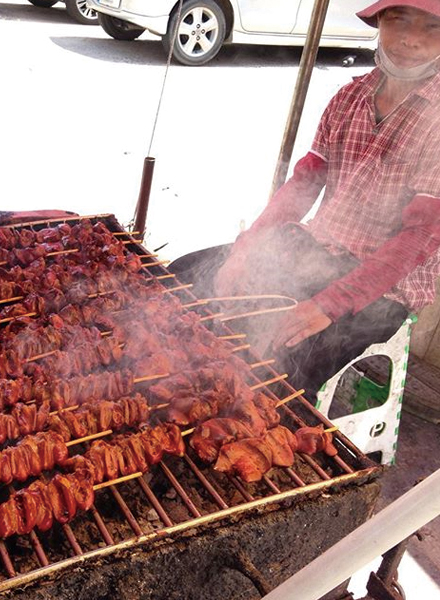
pixel 149 52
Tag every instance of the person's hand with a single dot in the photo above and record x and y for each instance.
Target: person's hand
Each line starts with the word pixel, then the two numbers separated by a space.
pixel 303 321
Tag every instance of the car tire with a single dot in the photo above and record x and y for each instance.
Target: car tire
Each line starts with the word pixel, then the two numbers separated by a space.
pixel 194 44
pixel 43 3
pixel 79 11
pixel 118 29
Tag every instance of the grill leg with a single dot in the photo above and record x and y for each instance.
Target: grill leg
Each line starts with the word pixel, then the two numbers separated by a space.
pixel 383 585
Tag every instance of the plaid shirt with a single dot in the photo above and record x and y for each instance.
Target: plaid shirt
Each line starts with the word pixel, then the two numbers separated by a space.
pixel 382 196
pixel 374 172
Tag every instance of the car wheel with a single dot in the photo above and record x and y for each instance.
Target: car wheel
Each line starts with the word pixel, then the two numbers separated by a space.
pixel 43 3
pixel 201 31
pixel 118 29
pixel 79 11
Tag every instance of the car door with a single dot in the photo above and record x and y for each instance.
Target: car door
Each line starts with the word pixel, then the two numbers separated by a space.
pixel 268 16
pixel 340 22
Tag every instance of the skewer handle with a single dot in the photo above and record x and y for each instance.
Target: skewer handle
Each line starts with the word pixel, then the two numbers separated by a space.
pixel 291 397
pixel 269 381
pixel 87 438
pixel 258 312
pixel 31 314
pixel 150 377
pixel 331 429
pixel 105 484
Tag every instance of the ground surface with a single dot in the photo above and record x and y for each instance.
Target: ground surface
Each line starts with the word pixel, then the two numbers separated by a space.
pixel 417 457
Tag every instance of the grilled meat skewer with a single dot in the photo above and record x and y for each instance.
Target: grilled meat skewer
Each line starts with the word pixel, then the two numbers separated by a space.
pixel 250 458
pixel 42 503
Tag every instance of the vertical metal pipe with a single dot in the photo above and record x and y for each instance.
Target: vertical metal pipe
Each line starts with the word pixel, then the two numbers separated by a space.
pixel 140 215
pixel 307 62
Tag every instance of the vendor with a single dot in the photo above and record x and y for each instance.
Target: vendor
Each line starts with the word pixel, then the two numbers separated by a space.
pixel 370 255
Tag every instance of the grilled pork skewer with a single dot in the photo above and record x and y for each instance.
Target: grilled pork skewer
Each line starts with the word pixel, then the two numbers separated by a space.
pixel 42 503
pixel 84 238
pixel 75 421
pixel 250 458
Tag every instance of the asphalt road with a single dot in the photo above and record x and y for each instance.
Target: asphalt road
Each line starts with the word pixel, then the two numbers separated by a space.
pixel 78 110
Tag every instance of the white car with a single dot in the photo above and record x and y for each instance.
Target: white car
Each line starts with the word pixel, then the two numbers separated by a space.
pixel 203 26
pixel 77 9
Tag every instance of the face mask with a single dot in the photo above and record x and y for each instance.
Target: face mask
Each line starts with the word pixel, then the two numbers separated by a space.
pixel 416 73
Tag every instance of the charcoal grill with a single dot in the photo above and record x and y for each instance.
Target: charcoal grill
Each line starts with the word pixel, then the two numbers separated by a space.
pixel 185 531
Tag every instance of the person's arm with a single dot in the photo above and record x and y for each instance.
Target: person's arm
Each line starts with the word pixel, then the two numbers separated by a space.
pixel 296 197
pixel 292 201
pixel 395 259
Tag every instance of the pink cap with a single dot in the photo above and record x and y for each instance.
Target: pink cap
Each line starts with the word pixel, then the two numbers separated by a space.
pixel 369 14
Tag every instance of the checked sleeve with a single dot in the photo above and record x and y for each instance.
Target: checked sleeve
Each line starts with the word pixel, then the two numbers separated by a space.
pixel 417 240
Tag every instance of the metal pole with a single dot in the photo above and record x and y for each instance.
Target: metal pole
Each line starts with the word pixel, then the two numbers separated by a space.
pixel 307 62
pixel 385 530
pixel 140 215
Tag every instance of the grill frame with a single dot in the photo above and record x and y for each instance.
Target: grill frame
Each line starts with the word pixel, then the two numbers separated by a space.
pixel 349 468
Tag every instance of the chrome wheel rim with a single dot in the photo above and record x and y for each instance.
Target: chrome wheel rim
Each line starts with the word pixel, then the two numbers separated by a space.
pixel 86 12
pixel 198 32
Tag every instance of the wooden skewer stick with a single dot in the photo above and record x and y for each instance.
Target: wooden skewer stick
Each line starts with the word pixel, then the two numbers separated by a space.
pixel 98 294
pixel 209 317
pixel 34 314
pixel 126 233
pixel 14 299
pixel 291 397
pixel 104 484
pixel 95 295
pixel 150 377
pixel 280 403
pixel 71 251
pixel 167 276
pixel 243 347
pixel 31 314
pixel 69 408
pixel 94 436
pixel 162 277
pixel 269 381
pixel 262 363
pixel 38 356
pixel 250 297
pixel 192 304
pixel 257 312
pixel 236 336
pixel 179 287
pixel 331 429
pixel 157 263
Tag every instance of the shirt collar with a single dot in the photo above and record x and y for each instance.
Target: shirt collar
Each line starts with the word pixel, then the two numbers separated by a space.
pixel 429 90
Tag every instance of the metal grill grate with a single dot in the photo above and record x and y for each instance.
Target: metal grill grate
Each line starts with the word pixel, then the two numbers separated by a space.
pixel 179 494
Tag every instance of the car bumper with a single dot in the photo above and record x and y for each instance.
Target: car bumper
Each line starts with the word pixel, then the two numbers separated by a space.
pixel 133 11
